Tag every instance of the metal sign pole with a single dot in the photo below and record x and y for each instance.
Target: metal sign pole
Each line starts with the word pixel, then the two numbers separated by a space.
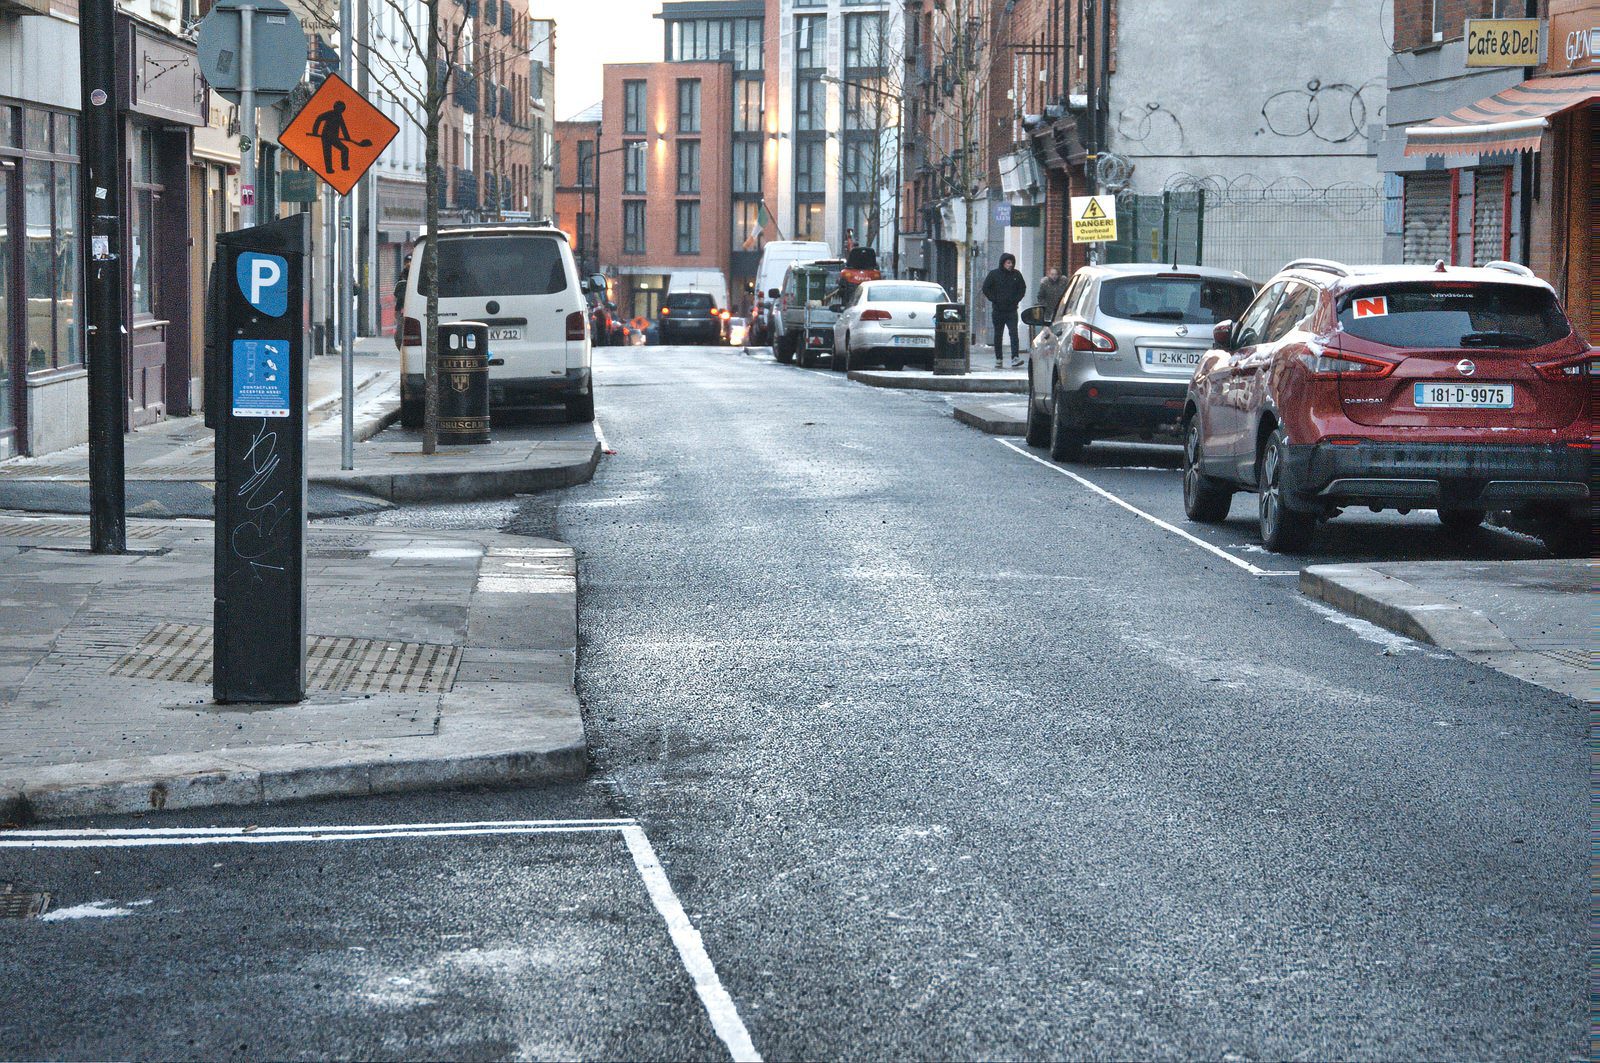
pixel 104 269
pixel 247 115
pixel 347 331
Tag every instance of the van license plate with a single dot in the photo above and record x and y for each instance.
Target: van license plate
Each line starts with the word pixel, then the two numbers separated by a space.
pixel 505 334
pixel 1464 396
pixel 1164 356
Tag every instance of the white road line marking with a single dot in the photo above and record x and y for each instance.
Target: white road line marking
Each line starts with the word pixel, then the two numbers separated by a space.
pixel 691 949
pixel 720 1009
pixel 600 437
pixel 1136 511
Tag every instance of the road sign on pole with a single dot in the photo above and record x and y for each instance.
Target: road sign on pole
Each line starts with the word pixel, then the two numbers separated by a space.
pixel 338 134
pixel 1094 219
pixel 278 49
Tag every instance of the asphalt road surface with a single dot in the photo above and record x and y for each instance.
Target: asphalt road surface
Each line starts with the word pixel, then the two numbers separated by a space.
pixel 944 752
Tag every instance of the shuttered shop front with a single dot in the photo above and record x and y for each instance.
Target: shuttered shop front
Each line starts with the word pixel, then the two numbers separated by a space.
pixel 1426 237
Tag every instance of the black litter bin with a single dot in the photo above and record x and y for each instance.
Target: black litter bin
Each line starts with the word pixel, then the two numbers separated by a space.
pixel 950 339
pixel 463 383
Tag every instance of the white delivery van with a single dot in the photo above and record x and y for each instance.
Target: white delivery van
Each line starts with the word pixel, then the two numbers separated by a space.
pixel 710 282
pixel 776 258
pixel 522 282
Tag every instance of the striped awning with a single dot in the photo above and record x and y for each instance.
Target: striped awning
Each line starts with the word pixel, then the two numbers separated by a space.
pixel 1512 120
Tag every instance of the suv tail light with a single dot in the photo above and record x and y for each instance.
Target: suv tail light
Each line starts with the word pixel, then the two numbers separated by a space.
pixel 411 332
pixel 1330 366
pixel 875 315
pixel 1089 338
pixel 577 326
pixel 1565 368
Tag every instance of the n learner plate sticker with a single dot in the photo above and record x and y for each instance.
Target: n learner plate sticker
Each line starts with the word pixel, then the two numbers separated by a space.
pixel 1376 306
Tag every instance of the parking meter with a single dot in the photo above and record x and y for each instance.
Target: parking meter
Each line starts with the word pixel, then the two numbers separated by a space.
pixel 256 400
pixel 950 339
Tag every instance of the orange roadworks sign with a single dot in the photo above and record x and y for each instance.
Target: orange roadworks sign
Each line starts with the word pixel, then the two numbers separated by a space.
pixel 338 134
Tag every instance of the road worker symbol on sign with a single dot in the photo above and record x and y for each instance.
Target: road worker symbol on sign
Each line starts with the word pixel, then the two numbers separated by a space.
pixel 338 134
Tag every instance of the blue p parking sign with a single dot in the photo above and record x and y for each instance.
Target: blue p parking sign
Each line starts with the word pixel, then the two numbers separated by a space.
pixel 264 280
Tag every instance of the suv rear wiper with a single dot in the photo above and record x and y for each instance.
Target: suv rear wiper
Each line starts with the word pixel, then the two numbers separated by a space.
pixel 1157 315
pixel 1498 339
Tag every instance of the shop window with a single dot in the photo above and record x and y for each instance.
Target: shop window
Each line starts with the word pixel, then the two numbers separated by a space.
pixel 49 294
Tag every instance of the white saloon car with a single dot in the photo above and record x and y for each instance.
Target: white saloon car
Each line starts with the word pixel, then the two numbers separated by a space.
pixel 888 323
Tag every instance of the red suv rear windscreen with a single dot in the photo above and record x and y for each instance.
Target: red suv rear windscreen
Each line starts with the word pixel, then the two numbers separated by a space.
pixel 1454 315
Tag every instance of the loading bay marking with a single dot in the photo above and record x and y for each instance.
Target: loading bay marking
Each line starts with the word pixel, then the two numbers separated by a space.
pixel 719 1006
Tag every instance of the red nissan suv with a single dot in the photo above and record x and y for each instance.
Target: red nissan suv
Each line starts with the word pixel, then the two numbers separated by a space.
pixel 1394 387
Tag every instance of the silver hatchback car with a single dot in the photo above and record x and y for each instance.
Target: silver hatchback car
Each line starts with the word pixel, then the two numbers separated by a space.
pixel 1115 358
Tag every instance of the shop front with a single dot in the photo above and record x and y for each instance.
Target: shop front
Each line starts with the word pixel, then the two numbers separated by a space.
pixel 163 98
pixel 401 213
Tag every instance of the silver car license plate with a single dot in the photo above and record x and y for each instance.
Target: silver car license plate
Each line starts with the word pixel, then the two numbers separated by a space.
pixel 1171 358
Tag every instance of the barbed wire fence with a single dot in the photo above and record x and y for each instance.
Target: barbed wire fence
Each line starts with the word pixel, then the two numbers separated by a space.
pixel 1249 225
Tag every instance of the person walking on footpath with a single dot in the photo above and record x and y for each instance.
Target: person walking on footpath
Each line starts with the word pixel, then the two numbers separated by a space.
pixel 1051 289
pixel 1004 287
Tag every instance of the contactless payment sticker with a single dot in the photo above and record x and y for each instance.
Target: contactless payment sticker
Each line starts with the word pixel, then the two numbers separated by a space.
pixel 261 378
pixel 1375 306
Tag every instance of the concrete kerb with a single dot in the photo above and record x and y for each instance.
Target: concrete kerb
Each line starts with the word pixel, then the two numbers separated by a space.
pixel 460 482
pixel 999 419
pixel 977 383
pixel 518 724
pixel 1401 607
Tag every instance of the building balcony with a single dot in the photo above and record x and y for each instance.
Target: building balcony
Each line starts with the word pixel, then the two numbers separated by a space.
pixel 466 190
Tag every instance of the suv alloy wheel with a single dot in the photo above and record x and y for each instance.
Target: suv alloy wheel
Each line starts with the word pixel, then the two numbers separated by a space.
pixel 1283 530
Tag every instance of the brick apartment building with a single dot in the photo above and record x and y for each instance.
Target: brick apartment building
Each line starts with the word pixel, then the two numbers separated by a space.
pixel 1498 162
pixel 575 184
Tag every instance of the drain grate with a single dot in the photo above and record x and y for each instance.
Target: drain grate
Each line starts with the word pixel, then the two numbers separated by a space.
pixel 70 529
pixel 22 902
pixel 181 653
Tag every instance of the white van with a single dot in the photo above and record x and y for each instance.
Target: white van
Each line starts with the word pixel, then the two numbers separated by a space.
pixel 776 258
pixel 522 282
pixel 703 282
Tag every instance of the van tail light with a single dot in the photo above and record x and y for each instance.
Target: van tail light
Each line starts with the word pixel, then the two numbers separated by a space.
pixel 1565 368
pixel 1089 338
pixel 411 332
pixel 666 311
pixel 875 315
pixel 1326 366
pixel 577 326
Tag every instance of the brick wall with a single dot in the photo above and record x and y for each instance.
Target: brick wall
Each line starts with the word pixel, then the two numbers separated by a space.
pixel 1413 19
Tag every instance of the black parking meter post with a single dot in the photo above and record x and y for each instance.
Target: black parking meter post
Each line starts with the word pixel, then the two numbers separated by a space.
pixel 950 340
pixel 256 345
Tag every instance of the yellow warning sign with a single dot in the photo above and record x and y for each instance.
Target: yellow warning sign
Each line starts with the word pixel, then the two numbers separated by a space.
pixel 1094 219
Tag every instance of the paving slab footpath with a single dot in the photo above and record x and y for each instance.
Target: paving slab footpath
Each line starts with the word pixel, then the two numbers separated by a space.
pixel 389 463
pixel 437 660
pixel 1530 619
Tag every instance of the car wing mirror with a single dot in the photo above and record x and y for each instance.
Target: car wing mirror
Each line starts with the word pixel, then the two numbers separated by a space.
pixel 1222 335
pixel 773 293
pixel 1037 316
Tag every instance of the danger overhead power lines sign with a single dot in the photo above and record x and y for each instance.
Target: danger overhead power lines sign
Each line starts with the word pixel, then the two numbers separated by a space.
pixel 1094 219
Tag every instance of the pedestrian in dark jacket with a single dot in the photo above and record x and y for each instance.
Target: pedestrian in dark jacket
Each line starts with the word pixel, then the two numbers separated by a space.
pixel 1004 287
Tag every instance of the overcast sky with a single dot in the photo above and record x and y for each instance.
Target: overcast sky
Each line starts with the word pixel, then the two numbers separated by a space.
pixel 590 33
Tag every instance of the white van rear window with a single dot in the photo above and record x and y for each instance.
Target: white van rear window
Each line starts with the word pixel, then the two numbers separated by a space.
pixel 478 266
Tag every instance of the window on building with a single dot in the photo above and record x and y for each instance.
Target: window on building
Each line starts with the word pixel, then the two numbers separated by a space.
pixel 689 227
pixel 695 39
pixel 689 105
pixel 747 106
pixel 746 226
pixel 633 226
pixel 585 163
pixel 1438 19
pixel 808 166
pixel 810 105
pixel 633 167
pixel 748 51
pixel 859 162
pixel 810 42
pixel 50 286
pixel 689 167
pixel 746 167
pixel 633 107
pixel 863 105
pixel 863 41
pixel 808 221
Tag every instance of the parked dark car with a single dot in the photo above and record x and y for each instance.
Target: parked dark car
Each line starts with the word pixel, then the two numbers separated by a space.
pixel 691 317
pixel 1395 387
